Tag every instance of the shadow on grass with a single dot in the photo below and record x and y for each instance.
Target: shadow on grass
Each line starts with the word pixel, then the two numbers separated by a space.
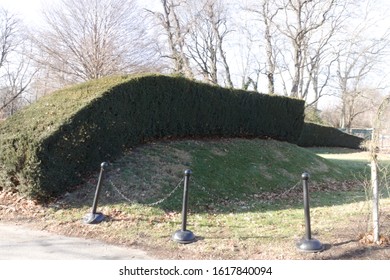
pixel 202 200
pixel 84 197
pixel 234 176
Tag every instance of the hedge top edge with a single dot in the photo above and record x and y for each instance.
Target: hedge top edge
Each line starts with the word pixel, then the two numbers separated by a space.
pixel 48 147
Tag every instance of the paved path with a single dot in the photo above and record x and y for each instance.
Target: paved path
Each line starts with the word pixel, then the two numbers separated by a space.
pixel 20 243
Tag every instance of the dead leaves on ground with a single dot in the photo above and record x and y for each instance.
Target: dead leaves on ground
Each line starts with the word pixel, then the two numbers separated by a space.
pixel 13 203
pixel 368 239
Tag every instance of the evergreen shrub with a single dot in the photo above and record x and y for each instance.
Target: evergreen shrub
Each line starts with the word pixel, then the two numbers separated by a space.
pixel 315 135
pixel 47 148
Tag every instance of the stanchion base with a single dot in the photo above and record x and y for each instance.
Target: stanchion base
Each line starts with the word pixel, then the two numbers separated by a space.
pixel 310 245
pixel 93 218
pixel 183 237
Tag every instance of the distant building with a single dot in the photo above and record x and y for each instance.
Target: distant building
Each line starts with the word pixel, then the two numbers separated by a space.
pixel 365 133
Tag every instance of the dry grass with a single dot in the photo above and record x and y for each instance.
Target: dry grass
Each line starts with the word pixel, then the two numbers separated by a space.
pixel 262 225
pixel 266 234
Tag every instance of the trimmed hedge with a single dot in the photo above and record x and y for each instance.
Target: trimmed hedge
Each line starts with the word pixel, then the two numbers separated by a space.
pixel 314 135
pixel 47 148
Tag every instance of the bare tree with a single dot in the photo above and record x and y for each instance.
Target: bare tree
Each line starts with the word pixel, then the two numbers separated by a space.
pixel 268 17
pixel 358 59
pixel 206 44
pixel 9 26
pixel 195 35
pixel 176 29
pixel 15 68
pixel 330 116
pixel 217 15
pixel 374 149
pixel 267 12
pixel 16 81
pixel 298 37
pixel 89 39
pixel 320 57
pixel 356 105
pixel 247 61
pixel 202 44
pixel 361 109
pixel 301 20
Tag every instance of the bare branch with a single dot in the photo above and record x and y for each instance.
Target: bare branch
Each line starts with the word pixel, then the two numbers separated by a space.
pixel 90 39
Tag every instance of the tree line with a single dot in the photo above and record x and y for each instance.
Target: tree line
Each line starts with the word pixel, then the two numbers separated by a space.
pixel 306 49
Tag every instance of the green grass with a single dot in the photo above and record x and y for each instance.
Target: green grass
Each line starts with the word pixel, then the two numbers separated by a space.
pixel 236 209
pixel 355 161
pixel 225 171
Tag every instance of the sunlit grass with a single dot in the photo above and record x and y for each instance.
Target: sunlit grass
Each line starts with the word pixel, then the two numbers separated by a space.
pixel 236 209
pixel 229 235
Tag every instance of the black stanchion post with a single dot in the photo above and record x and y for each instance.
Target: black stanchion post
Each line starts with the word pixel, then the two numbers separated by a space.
pixel 306 206
pixel 94 217
pixel 184 236
pixel 308 244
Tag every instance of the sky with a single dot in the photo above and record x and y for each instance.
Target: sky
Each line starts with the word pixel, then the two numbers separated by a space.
pixel 30 12
pixel 30 9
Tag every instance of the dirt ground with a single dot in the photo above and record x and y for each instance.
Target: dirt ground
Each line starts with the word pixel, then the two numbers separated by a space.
pixel 346 244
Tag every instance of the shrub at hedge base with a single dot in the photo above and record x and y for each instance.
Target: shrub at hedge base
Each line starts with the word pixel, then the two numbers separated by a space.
pixel 47 148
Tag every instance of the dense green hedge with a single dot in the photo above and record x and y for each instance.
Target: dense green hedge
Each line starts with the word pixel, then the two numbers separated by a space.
pixel 314 135
pixel 47 148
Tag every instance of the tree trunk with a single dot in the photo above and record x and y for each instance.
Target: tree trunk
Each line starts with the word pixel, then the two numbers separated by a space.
pixel 374 147
pixel 375 198
pixel 297 74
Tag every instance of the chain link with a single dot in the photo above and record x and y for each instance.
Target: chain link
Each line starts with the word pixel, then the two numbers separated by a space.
pixel 198 186
pixel 289 190
pixel 149 204
pixel 267 195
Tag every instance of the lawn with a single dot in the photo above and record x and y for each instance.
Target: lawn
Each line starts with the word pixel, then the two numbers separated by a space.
pixel 245 201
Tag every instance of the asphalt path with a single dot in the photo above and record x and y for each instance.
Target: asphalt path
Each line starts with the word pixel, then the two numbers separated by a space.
pixel 21 243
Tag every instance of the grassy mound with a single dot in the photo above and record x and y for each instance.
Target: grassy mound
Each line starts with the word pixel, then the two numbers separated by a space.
pixel 264 221
pixel 225 172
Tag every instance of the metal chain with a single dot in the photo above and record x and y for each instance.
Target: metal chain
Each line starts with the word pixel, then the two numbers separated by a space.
pixel 149 204
pixel 289 190
pixel 167 196
pixel 277 196
pixel 194 183
pixel 120 193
